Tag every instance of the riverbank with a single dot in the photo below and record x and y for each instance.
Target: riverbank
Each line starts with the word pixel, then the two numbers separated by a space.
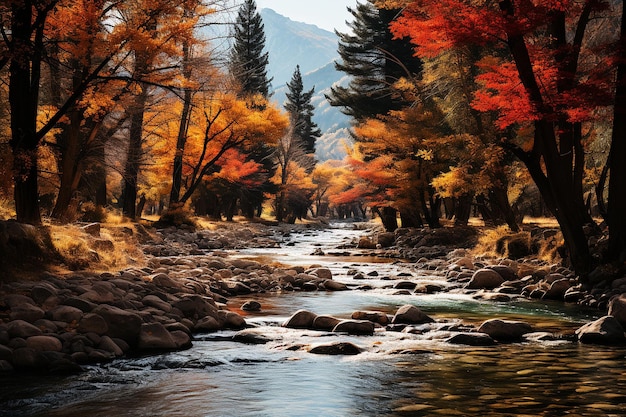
pixel 182 284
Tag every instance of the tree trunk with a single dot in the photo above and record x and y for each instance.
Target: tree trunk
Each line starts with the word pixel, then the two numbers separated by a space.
pixel 133 158
pixel 616 210
pixel 498 196
pixel 23 99
pixel 183 128
pixel 389 217
pixel 463 210
pixel 70 166
pixel 411 218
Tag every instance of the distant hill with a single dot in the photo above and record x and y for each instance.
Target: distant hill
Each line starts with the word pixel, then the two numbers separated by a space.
pixel 292 43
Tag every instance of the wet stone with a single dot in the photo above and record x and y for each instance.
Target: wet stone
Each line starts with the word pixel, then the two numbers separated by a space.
pixel 409 314
pixel 251 337
pixel 251 305
pixel 340 348
pixel 355 327
pixel 301 319
pixel 325 323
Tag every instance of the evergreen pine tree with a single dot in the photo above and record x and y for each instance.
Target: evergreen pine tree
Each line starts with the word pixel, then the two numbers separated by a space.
pixel 375 61
pixel 300 110
pixel 248 62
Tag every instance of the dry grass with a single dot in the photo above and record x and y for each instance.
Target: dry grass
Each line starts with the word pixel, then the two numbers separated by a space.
pixel 116 248
pixel 487 241
pixel 7 209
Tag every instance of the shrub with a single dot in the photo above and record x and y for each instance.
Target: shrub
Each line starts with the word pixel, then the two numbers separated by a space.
pixel 178 217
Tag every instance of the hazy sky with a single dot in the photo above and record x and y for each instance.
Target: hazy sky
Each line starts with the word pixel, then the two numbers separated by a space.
pixel 327 14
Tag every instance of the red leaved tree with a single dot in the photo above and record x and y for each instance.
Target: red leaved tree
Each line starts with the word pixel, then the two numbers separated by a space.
pixel 544 73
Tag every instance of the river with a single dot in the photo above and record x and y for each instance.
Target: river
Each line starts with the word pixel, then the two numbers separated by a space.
pixel 397 374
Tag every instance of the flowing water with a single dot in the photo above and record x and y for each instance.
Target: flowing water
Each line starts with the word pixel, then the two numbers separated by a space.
pixel 397 374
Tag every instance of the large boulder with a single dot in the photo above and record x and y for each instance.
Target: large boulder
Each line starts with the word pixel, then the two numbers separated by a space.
pixel 605 331
pixel 251 305
pixel 617 309
pixel 251 337
pixel 66 314
pixel 471 339
pixel 93 323
pixel 26 312
pixel 409 314
pixel 485 279
pixel 23 329
pixel 154 301
pixel 301 319
pixel 321 273
pixel 325 323
pixel 386 239
pixel 44 343
pixel 355 327
pixel 154 336
pixel 558 289
pixel 331 285
pixel 339 348
pixel 506 272
pixel 505 330
pixel 231 320
pixel 378 317
pixel 196 307
pixel 207 324
pixel 122 324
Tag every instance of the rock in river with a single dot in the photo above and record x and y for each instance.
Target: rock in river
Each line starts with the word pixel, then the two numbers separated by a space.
pixel 302 319
pixel 604 331
pixel 485 279
pixel 505 330
pixel 339 348
pixel 356 327
pixel 410 314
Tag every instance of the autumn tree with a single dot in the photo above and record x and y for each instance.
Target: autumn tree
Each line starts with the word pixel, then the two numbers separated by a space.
pixel 480 170
pixel 331 178
pixel 375 61
pixel 222 130
pixel 291 159
pixel 544 78
pixel 300 110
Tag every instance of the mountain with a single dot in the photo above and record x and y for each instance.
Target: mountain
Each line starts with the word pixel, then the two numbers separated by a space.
pixel 292 43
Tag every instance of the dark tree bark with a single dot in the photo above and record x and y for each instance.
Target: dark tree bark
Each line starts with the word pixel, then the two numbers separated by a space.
pixel 133 156
pixel 463 209
pixel 183 128
pixel 389 217
pixel 616 210
pixel 24 70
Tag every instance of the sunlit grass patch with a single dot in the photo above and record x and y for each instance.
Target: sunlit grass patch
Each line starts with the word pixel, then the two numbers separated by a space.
pixel 116 247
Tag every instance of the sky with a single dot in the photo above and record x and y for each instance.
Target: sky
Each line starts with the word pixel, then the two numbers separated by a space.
pixel 327 14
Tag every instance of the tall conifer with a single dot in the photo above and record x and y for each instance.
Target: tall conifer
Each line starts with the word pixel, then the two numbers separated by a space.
pixel 375 61
pixel 300 110
pixel 248 61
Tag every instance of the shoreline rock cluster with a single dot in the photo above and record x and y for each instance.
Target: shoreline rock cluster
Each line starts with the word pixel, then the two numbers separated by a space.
pixel 62 321
pixel 59 322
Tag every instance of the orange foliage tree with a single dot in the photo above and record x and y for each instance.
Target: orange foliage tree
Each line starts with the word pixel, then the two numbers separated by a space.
pixel 222 128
